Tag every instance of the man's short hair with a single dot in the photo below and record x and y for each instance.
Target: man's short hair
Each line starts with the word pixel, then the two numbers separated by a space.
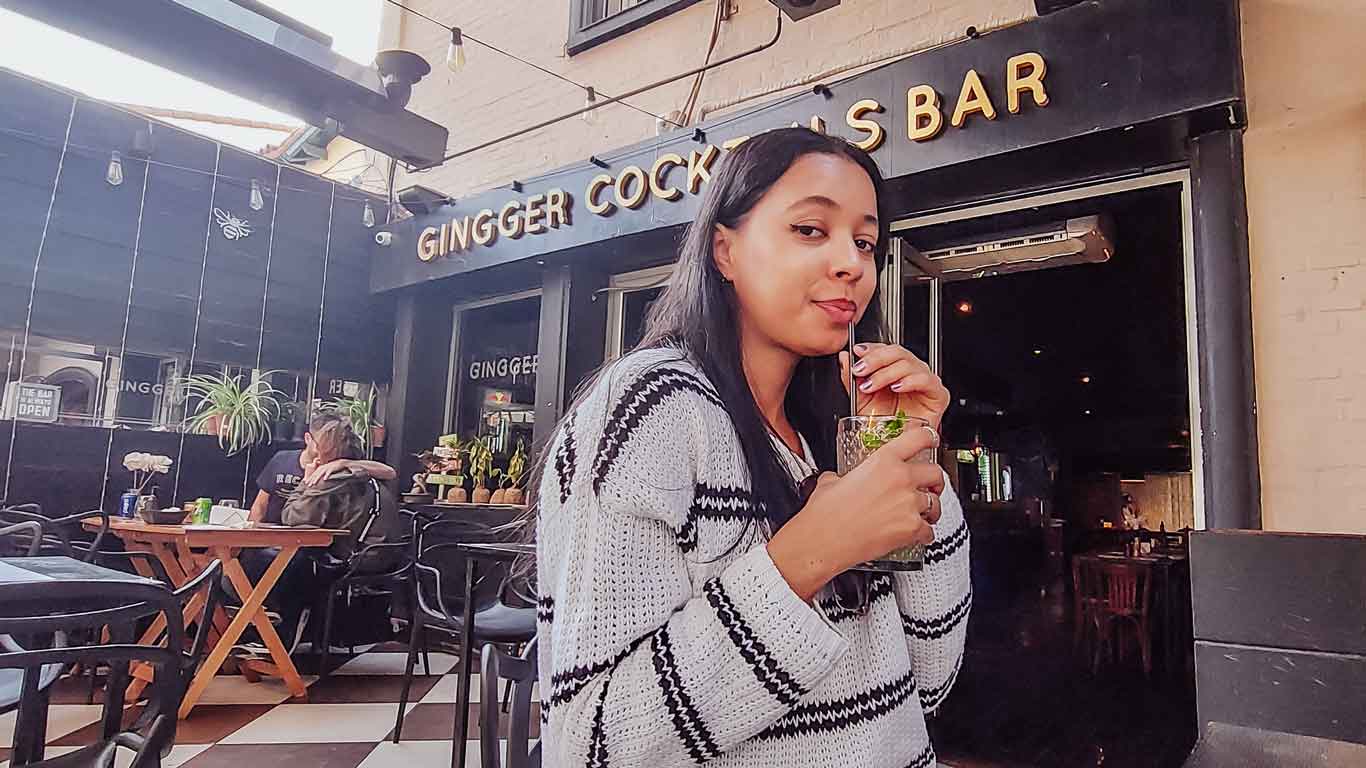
pixel 334 437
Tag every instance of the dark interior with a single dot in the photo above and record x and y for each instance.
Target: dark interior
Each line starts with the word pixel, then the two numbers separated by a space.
pixel 1075 379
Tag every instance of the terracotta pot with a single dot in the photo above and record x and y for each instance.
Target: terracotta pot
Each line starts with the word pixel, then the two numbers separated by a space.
pixel 213 425
pixel 482 495
pixel 377 436
pixel 457 495
pixel 498 497
pixel 515 496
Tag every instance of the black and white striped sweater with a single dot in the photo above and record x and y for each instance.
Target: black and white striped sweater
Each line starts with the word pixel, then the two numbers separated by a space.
pixel 662 645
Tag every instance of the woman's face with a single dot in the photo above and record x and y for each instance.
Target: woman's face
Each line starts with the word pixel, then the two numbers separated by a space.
pixel 802 260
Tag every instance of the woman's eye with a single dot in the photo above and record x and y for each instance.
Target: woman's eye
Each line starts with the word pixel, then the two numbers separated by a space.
pixel 867 246
pixel 807 230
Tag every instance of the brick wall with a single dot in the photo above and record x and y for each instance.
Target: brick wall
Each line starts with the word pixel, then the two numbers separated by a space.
pixel 493 95
pixel 1306 189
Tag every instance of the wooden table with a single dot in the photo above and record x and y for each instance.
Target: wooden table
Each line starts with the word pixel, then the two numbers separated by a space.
pixel 184 550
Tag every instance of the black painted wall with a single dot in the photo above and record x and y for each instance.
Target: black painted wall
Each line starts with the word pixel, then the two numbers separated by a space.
pixel 120 281
pixel 1280 632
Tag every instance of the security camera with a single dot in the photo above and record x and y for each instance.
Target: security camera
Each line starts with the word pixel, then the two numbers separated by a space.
pixel 398 71
pixel 800 9
pixel 384 238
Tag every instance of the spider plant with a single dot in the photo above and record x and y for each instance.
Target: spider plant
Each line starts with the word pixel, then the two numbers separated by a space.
pixel 357 411
pixel 239 413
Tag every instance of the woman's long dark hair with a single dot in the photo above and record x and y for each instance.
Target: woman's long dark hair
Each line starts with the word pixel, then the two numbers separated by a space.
pixel 698 313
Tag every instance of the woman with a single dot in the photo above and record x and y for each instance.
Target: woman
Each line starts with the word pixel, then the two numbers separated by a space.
pixel 694 606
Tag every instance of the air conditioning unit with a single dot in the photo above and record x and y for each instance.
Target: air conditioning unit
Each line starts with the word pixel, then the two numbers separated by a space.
pixel 1081 240
pixel 800 9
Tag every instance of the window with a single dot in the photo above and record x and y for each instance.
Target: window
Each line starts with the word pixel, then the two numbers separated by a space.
pixel 629 298
pixel 592 22
pixel 493 383
pixel 598 10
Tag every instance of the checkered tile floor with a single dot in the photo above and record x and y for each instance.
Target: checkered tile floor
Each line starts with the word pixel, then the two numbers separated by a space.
pixel 346 723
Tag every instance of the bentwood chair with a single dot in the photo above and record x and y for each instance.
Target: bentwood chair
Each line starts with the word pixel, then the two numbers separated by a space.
pixel 1088 595
pixel 1128 595
pixel 497 666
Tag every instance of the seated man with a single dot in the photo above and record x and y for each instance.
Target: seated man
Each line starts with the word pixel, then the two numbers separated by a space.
pixel 323 485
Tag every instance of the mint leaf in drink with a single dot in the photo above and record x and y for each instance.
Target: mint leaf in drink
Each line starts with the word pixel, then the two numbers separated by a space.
pixel 871 440
pixel 874 437
pixel 896 426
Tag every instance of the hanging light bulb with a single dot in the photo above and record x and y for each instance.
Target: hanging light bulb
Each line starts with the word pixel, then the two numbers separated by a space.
pixel 455 54
pixel 367 216
pixel 591 116
pixel 114 174
pixel 258 201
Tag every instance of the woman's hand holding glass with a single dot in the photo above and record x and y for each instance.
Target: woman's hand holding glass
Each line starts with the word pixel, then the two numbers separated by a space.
pixel 885 503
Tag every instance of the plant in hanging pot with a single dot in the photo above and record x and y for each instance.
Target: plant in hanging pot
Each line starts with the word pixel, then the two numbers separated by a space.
pixel 481 467
pixel 239 414
pixel 516 470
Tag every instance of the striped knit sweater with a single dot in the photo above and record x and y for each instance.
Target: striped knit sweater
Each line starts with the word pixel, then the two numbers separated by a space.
pixel 662 644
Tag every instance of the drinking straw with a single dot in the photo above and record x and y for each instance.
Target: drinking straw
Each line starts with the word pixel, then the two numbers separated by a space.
pixel 853 390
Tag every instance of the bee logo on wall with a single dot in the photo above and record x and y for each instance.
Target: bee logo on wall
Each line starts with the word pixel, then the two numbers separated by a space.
pixel 233 227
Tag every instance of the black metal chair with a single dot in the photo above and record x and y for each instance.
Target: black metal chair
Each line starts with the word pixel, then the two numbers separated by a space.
pixel 61 535
pixel 124 560
pixel 210 580
pixel 438 598
pixel 21 539
pixel 384 567
pixel 520 672
pixel 118 606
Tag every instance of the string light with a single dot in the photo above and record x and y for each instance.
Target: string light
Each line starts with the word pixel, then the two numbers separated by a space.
pixel 258 201
pixel 45 141
pixel 455 56
pixel 114 173
pixel 591 116
pixel 455 53
pixel 367 216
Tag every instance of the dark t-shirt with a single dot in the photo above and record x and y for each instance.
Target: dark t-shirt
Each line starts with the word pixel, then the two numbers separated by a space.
pixel 281 475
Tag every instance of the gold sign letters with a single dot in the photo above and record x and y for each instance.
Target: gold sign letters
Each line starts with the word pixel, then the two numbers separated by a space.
pixel 672 174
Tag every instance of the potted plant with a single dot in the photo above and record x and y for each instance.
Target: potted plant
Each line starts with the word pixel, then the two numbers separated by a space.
pixel 358 410
pixel 239 414
pixel 457 494
pixel 481 467
pixel 499 495
pixel 516 470
pixel 144 467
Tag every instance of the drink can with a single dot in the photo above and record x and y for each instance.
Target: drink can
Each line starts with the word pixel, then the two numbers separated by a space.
pixel 202 507
pixel 128 504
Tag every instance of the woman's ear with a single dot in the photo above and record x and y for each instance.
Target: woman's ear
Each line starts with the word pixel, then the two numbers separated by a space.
pixel 722 254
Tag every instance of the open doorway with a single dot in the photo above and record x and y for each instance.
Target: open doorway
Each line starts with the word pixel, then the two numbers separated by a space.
pixel 1060 325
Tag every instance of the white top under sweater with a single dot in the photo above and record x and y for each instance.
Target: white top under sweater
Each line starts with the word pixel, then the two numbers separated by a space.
pixel 662 646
